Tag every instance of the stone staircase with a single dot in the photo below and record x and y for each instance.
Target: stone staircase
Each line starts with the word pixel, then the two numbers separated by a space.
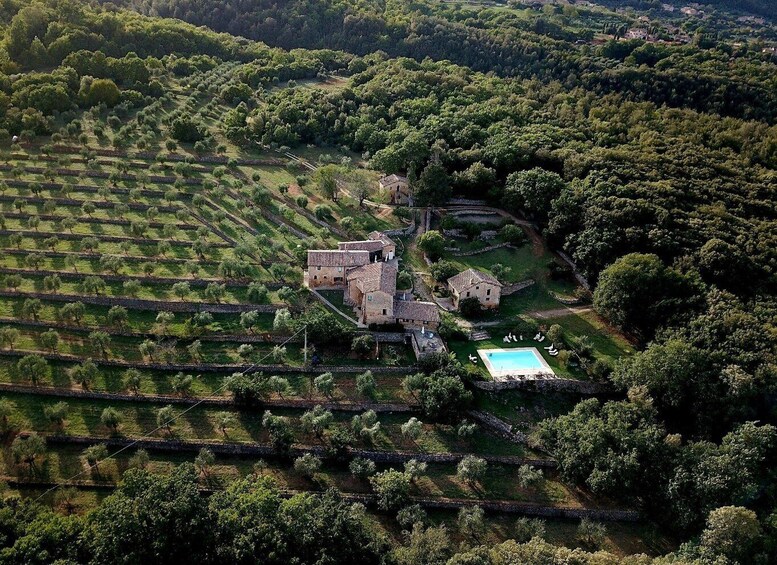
pixel 479 335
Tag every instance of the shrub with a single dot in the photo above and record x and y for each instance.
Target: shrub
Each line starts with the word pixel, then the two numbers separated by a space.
pixel 470 307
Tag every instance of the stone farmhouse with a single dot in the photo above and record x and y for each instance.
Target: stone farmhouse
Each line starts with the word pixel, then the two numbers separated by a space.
pixel 367 273
pixel 475 284
pixel 380 246
pixel 397 187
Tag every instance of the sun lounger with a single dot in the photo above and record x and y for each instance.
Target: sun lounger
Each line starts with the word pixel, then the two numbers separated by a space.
pixel 506 339
pixel 552 353
pixel 515 339
pixel 542 338
pixel 549 347
pixel 537 337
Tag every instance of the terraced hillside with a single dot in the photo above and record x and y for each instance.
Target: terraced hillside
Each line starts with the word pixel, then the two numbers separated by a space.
pixel 151 313
pixel 589 229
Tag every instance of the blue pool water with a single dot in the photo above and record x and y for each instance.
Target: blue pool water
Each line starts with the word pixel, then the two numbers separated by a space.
pixel 515 360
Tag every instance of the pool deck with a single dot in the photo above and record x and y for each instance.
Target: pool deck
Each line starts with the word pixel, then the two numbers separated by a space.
pixel 513 374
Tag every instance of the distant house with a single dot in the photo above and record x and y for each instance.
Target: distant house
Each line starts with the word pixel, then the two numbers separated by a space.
pixel 637 33
pixel 475 284
pixel 397 187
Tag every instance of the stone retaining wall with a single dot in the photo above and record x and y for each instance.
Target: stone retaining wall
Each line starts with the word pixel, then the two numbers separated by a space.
pixel 92 256
pixel 529 509
pixel 578 275
pixel 107 238
pixel 98 221
pixel 62 171
pixel 150 156
pixel 498 427
pixel 77 203
pixel 504 506
pixel 207 367
pixel 401 231
pixel 466 202
pixel 139 304
pixel 292 403
pixel 515 287
pixel 546 385
pixel 195 169
pixel 92 189
pixel 198 282
pixel 567 301
pixel 256 449
pixel 483 250
pixel 380 337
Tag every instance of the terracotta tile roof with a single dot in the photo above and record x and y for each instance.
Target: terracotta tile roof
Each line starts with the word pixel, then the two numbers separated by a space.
pixel 339 258
pixel 388 179
pixel 368 245
pixel 382 237
pixel 469 278
pixel 375 276
pixel 416 311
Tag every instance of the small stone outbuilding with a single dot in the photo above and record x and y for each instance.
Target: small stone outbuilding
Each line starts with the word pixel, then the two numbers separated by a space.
pixel 478 284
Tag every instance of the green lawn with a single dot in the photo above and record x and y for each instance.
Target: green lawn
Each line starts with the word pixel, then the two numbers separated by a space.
pixel 607 343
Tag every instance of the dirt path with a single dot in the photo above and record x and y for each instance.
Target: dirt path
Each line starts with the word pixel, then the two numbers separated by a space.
pixel 560 312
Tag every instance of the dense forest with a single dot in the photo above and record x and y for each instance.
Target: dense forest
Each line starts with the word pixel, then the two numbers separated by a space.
pixel 653 167
pixel 638 178
pixel 491 40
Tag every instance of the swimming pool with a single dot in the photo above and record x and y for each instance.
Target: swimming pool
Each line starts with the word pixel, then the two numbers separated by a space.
pixel 516 361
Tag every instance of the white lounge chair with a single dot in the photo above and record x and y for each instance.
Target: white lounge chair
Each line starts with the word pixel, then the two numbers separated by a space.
pixel 552 353
pixel 542 338
pixel 521 338
pixel 472 358
pixel 515 339
pixel 549 347
pixel 506 339
pixel 537 337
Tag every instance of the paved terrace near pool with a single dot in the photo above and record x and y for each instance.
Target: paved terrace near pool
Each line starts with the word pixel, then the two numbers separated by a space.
pixel 499 373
